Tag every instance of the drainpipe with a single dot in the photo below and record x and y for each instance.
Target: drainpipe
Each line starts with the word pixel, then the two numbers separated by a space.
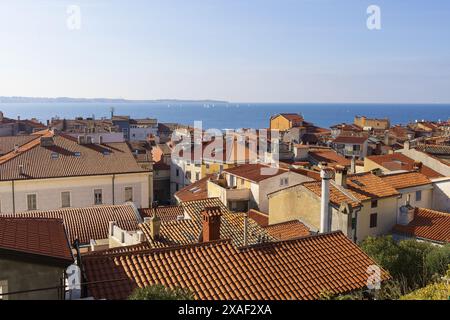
pixel 13 198
pixel 356 225
pixel 113 190
pixel 326 175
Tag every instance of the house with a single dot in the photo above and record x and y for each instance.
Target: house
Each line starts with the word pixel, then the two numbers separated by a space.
pixel 195 191
pixel 424 225
pixel 344 128
pixel 395 162
pixel 246 187
pixel 351 146
pixel 441 194
pixel 11 127
pixel 372 123
pixel 90 226
pixel 34 254
pixel 285 121
pixel 123 125
pixel 434 157
pixel 142 129
pixel 295 269
pixel 415 188
pixel 360 205
pixel 54 171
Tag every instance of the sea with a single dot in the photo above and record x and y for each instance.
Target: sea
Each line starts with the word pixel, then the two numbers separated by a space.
pixel 229 115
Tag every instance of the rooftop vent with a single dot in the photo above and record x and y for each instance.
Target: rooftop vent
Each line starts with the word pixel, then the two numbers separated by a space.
pixel 55 155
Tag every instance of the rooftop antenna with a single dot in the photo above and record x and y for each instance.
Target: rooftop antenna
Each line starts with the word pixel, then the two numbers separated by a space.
pixel 112 112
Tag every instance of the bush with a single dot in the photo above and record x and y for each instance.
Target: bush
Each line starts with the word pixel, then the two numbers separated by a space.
pixel 439 290
pixel 411 264
pixel 160 292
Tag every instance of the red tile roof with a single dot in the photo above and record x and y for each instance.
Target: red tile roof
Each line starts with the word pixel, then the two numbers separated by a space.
pixel 7 143
pixel 288 230
pixel 67 158
pixel 405 180
pixel 195 191
pixel 350 139
pixel 165 213
pixel 42 237
pixel 427 224
pixel 398 161
pixel 254 172
pixel 329 156
pixel 300 268
pixel 290 116
pixel 260 218
pixel 85 224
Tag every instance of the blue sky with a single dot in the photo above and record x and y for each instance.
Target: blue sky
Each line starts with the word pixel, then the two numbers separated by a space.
pixel 236 50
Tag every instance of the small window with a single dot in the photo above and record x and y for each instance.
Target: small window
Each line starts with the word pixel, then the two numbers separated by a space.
pixel 242 182
pixel 177 172
pixel 32 202
pixel 373 220
pixel 374 204
pixel 3 289
pixel 176 187
pixel 98 196
pixel 128 194
pixel 419 195
pixel 65 199
pixel 284 181
pixel 197 176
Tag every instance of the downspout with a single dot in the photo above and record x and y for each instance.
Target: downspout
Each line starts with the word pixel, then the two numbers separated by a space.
pixel 356 225
pixel 113 190
pixel 13 197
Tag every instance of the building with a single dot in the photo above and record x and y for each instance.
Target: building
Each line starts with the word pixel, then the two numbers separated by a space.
pixel 372 123
pixel 11 127
pixel 344 129
pixel 297 269
pixel 34 254
pixel 424 225
pixel 195 191
pixel 351 146
pixel 360 205
pixel 246 187
pixel 142 129
pixel 54 171
pixel 395 162
pixel 285 121
pixel 434 157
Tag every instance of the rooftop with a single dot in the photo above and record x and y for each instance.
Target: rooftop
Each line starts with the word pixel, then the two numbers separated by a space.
pixel 195 191
pixel 42 237
pixel 288 230
pixel 255 172
pixel 165 213
pixel 427 224
pixel 404 180
pixel 301 268
pixel 350 139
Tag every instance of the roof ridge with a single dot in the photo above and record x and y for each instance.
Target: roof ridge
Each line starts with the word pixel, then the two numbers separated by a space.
pixel 24 148
pixel 345 191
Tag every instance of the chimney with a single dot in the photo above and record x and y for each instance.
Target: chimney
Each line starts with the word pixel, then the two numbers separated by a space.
pixel 20 169
pixel 417 165
pixel 340 176
pixel 211 223
pixel 406 145
pixel 326 174
pixel 155 225
pixel 353 165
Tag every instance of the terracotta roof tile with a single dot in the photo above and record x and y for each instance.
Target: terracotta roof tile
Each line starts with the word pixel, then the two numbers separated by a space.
pixel 85 224
pixel 254 172
pixel 42 237
pixel 165 213
pixel 427 224
pixel 195 191
pixel 260 218
pixel 67 158
pixel 301 268
pixel 366 186
pixel 337 196
pixel 350 139
pixel 398 161
pixel 288 230
pixel 405 180
pixel 7 143
pixel 329 156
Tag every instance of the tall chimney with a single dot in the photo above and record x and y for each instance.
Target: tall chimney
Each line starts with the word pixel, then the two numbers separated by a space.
pixel 211 223
pixel 245 229
pixel 340 176
pixel 353 165
pixel 155 225
pixel 406 145
pixel 326 174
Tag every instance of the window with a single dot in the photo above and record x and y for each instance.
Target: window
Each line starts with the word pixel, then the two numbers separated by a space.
pixel 176 187
pixel 65 199
pixel 284 181
pixel 207 166
pixel 242 182
pixel 31 202
pixel 98 196
pixel 197 176
pixel 373 220
pixel 3 289
pixel 356 147
pixel 374 204
pixel 177 172
pixel 419 195
pixel 128 194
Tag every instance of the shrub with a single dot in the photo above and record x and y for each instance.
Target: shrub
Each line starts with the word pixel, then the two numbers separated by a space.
pixel 160 292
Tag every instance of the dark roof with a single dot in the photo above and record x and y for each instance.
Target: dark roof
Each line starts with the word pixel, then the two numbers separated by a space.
pixel 7 143
pixel 301 268
pixel 41 237
pixel 350 139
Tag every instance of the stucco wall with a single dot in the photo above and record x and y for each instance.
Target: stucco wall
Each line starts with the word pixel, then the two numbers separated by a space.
pixel 441 195
pixel 48 191
pixel 26 276
pixel 387 218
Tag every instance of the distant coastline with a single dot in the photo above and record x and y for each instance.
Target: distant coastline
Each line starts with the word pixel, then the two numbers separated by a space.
pixel 97 100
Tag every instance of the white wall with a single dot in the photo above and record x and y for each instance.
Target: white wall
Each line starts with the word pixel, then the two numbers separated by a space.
pixel 81 190
pixel 106 137
pixel 141 134
pixel 441 195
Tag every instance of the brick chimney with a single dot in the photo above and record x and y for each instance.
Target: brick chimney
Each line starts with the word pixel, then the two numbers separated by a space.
pixel 211 217
pixel 340 176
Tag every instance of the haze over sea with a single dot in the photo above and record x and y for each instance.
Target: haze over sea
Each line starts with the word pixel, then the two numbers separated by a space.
pixel 230 115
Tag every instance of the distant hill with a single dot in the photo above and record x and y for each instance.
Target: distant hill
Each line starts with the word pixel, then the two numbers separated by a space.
pixel 97 100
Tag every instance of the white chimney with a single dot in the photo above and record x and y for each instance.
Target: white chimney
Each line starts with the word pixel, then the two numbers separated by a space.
pixel 353 165
pixel 326 174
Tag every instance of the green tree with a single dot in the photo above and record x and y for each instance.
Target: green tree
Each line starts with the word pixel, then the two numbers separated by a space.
pixel 160 292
